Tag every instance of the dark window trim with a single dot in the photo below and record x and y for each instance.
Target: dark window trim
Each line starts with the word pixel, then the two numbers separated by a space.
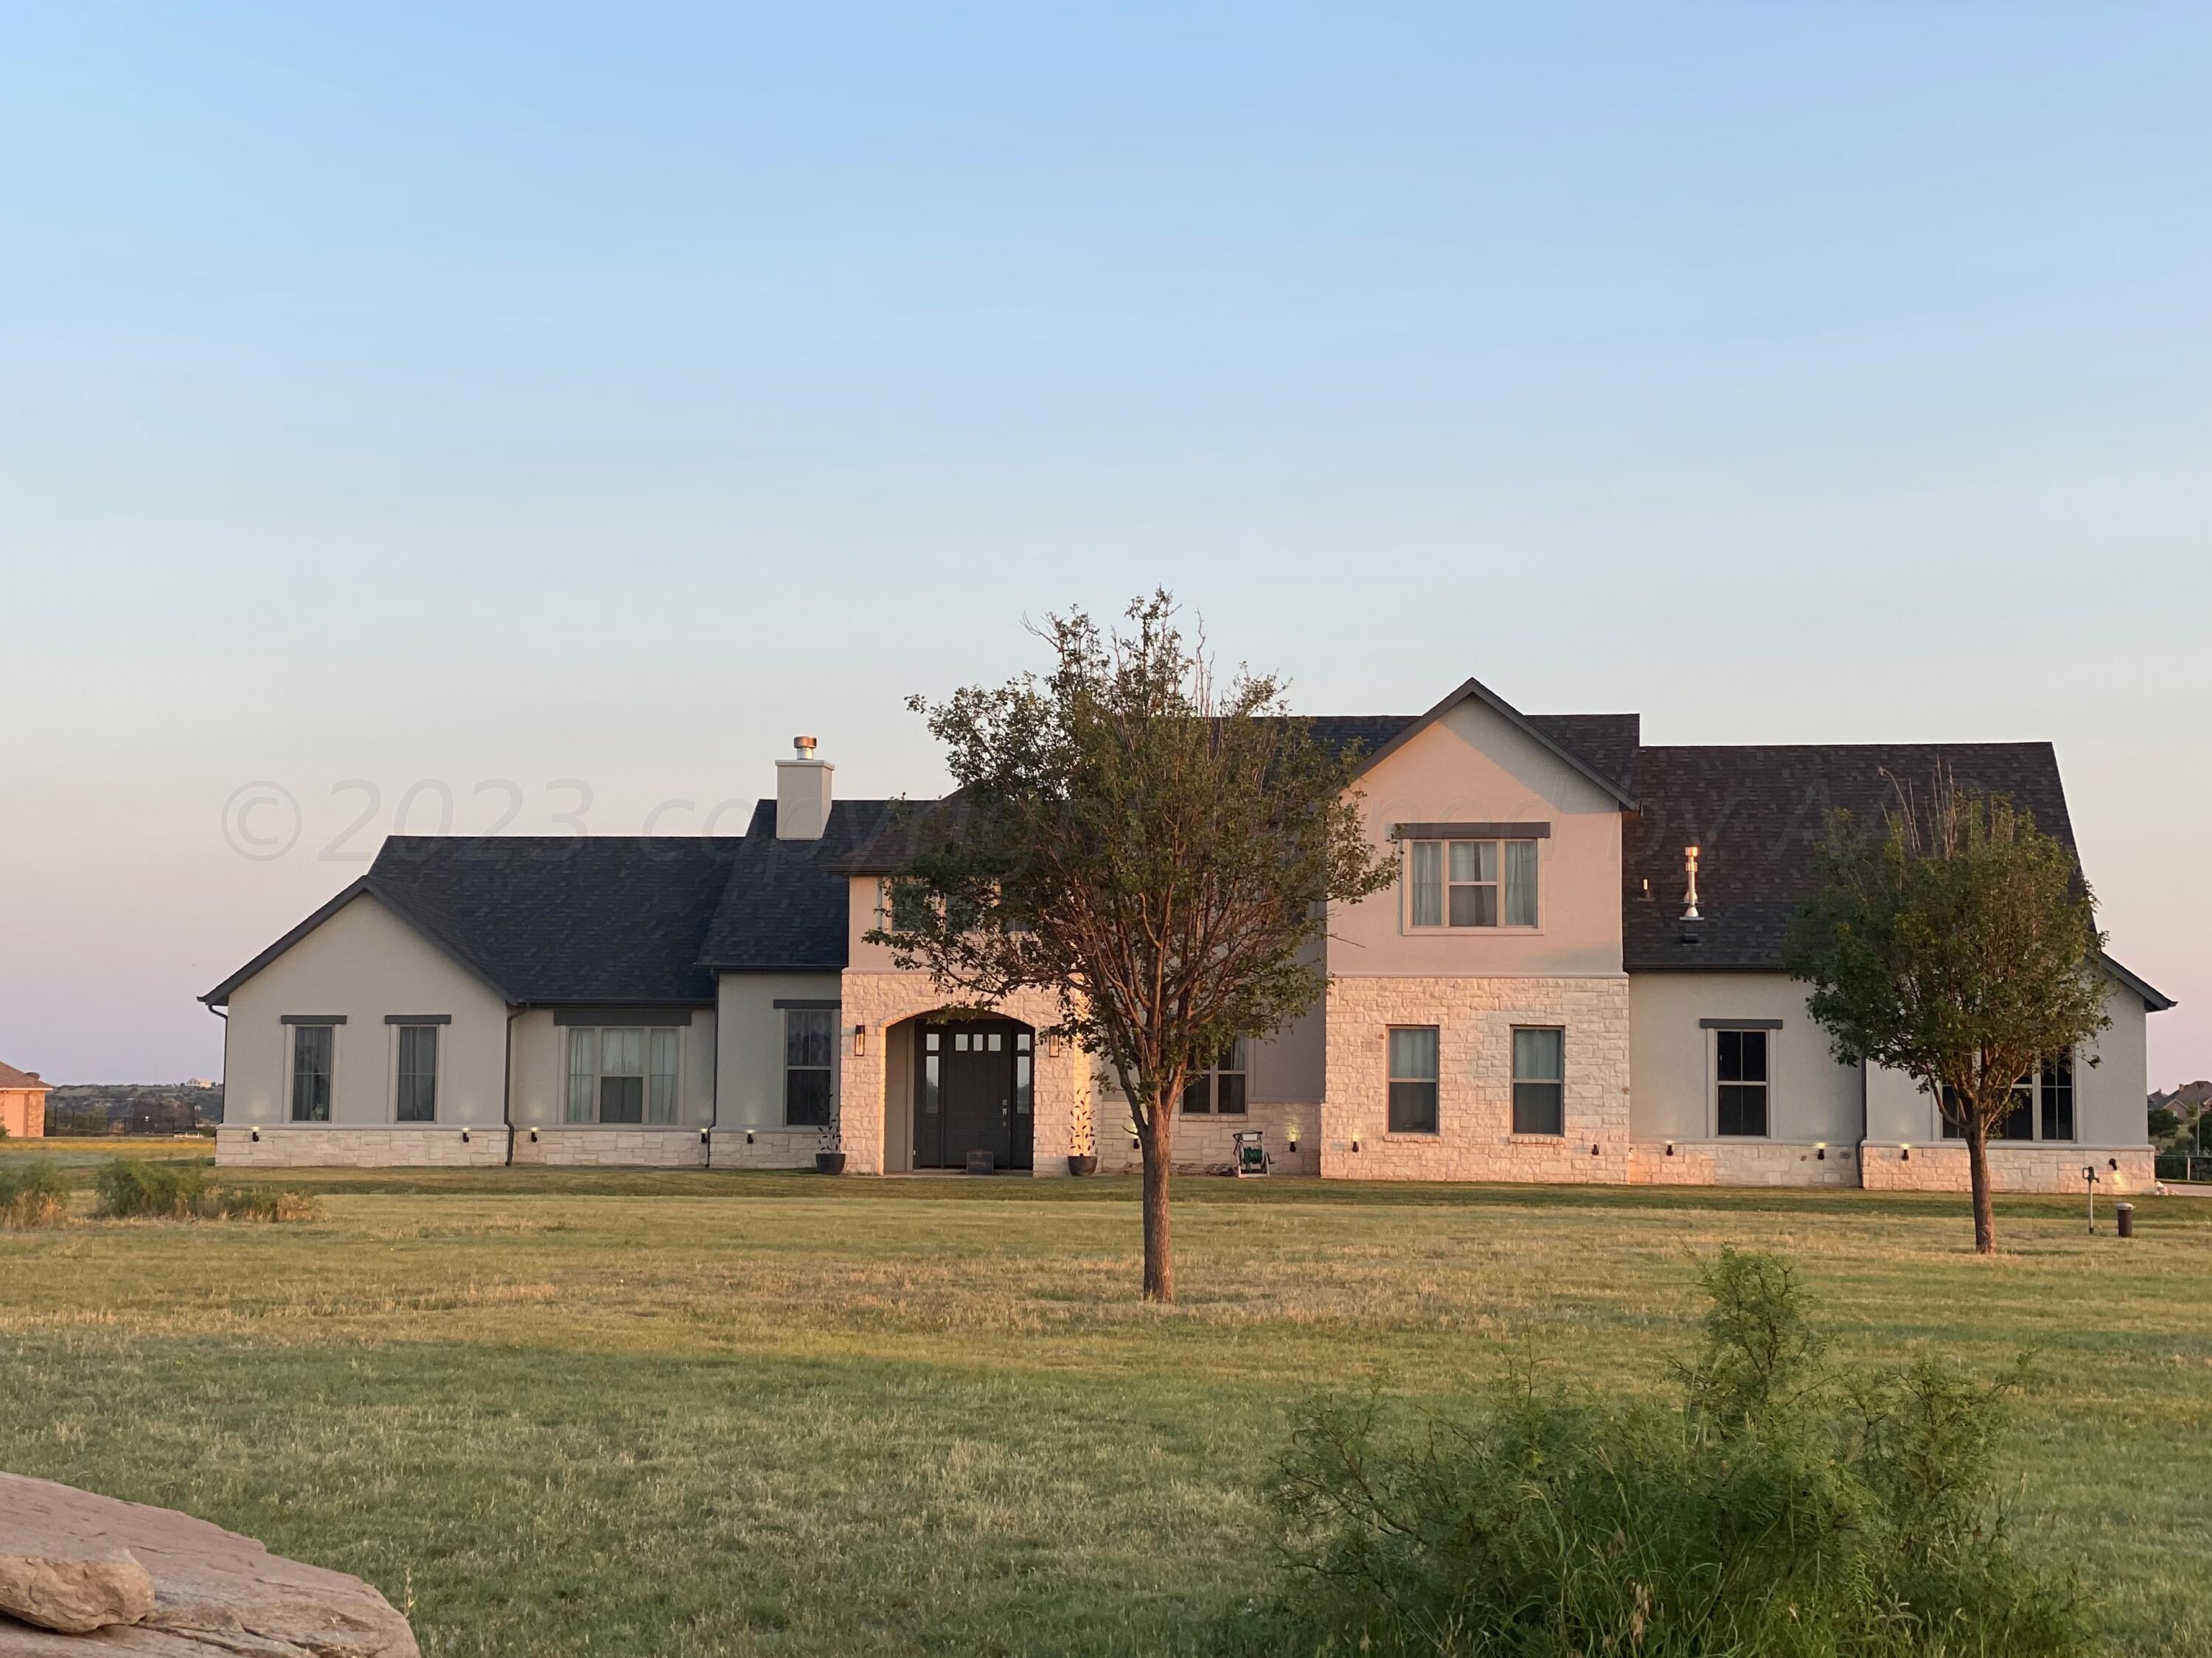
pixel 599 1016
pixel 1470 831
pixel 311 1018
pixel 805 1005
pixel 418 1018
pixel 1739 1024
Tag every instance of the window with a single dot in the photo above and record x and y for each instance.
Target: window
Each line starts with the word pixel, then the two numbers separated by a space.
pixel 622 1074
pixel 1219 1089
pixel 1540 1086
pixel 1413 1079
pixel 418 1074
pixel 312 1045
pixel 1743 1081
pixel 810 1052
pixel 2050 1085
pixel 1024 1073
pixel 1469 884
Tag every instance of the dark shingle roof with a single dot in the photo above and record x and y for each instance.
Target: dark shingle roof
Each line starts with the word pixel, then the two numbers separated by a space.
pixel 1755 814
pixel 785 904
pixel 12 1079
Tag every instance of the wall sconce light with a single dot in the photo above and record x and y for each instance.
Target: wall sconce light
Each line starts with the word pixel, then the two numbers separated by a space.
pixel 705 1137
pixel 2111 1162
pixel 1593 1148
pixel 1905 1154
pixel 748 1137
pixel 465 1136
pixel 1820 1151
pixel 1052 1043
pixel 533 1137
pixel 1670 1148
pixel 859 1039
pixel 256 1137
pixel 1355 1145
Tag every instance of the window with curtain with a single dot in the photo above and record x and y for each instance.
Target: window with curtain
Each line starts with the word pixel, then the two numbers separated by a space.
pixel 313 1046
pixel 1539 1080
pixel 418 1074
pixel 810 1052
pixel 1741 1068
pixel 1472 883
pixel 1219 1089
pixel 1414 1072
pixel 624 1074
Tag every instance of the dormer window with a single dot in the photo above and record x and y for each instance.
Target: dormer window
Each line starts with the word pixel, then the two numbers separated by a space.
pixel 1484 879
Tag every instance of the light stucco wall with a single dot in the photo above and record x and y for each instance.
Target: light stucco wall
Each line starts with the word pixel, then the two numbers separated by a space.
pixel 1471 766
pixel 752 1133
pixel 23 1112
pixel 364 963
pixel 1811 1099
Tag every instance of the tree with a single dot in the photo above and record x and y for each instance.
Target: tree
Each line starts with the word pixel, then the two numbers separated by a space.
pixel 1961 947
pixel 1155 846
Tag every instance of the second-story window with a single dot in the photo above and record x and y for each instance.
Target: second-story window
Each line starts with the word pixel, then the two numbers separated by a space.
pixel 1474 883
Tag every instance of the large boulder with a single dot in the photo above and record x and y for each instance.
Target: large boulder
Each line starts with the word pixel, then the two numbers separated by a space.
pixel 67 1556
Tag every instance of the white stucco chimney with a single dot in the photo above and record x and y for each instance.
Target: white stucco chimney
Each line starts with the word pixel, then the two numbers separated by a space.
pixel 802 793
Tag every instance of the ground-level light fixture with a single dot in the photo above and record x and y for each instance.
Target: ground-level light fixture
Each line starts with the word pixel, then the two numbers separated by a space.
pixel 1820 1151
pixel 1905 1154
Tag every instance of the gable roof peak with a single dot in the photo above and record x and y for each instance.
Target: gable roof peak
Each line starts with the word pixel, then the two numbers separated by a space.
pixel 1473 689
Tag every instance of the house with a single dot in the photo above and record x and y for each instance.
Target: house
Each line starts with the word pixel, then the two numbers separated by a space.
pixel 23 1103
pixel 1577 978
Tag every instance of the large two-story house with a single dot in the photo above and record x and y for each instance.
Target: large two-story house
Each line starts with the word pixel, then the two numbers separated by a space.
pixel 1576 977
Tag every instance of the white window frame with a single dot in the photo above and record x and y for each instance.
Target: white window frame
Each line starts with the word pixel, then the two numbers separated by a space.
pixel 651 1045
pixel 1498 844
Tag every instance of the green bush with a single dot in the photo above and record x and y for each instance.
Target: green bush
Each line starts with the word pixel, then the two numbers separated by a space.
pixel 31 1196
pixel 1776 1511
pixel 141 1187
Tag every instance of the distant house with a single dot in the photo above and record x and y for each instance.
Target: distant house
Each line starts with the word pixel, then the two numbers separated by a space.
pixel 23 1103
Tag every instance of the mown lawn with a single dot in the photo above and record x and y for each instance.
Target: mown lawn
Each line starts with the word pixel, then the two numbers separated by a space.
pixel 686 1412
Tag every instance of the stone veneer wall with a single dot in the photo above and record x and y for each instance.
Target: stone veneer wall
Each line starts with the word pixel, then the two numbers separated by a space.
pixel 320 1145
pixel 1203 1144
pixel 1740 1163
pixel 587 1144
pixel 1943 1168
pixel 1474 1140
pixel 1060 1083
pixel 772 1148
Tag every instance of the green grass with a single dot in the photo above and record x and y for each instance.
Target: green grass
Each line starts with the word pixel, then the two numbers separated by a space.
pixel 587 1411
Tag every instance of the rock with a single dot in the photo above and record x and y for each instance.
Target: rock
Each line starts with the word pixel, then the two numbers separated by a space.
pixel 73 1593
pixel 214 1592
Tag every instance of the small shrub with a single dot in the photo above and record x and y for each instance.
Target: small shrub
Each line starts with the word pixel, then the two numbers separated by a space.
pixel 31 1197
pixel 137 1187
pixel 1776 1511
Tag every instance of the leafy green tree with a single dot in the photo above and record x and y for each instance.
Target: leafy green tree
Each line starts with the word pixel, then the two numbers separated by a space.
pixel 1960 947
pixel 1155 846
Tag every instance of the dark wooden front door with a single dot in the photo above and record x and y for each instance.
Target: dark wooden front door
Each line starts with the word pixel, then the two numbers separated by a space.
pixel 973 1093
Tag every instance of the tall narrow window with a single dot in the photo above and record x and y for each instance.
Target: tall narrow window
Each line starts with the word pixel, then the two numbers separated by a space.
pixel 1520 883
pixel 2058 1098
pixel 1413 1079
pixel 1219 1088
pixel 1025 1080
pixel 1472 896
pixel 1540 1081
pixel 583 1075
pixel 418 1074
pixel 1428 883
pixel 660 1083
pixel 2019 1123
pixel 622 1075
pixel 312 1046
pixel 1743 1082
pixel 810 1045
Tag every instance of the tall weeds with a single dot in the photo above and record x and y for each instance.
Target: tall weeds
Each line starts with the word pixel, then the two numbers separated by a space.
pixel 137 1187
pixel 1778 1510
pixel 33 1196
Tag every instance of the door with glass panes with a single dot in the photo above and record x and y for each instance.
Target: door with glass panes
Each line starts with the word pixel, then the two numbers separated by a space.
pixel 973 1093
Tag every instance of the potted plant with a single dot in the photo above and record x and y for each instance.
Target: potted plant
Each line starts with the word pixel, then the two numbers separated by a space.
pixel 829 1154
pixel 1083 1143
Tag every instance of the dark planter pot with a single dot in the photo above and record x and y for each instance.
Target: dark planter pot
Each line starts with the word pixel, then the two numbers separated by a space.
pixel 828 1162
pixel 1076 1165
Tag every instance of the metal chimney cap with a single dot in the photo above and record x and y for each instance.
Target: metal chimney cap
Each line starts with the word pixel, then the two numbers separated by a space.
pixel 804 747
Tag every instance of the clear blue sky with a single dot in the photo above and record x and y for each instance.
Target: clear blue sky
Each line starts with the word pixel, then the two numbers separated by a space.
pixel 466 393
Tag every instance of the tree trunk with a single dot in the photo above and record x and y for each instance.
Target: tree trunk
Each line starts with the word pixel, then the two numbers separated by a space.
pixel 1160 1255
pixel 1978 1160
